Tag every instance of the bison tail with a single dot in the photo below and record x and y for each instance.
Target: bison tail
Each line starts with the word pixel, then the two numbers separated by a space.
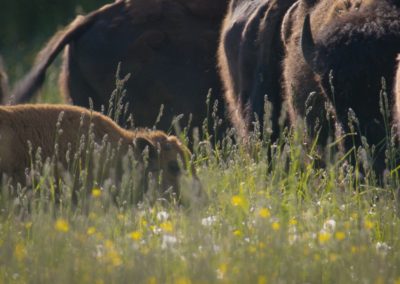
pixel 25 89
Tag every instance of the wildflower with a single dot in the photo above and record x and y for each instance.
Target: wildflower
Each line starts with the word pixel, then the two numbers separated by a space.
pixel 167 226
pixel 209 221
pixel 61 225
pixel 96 192
pixel 340 236
pixel 168 241
pixel 293 222
pixel 239 201
pixel 382 248
pixel 276 226
pixel 323 237
pixel 183 280
pixel 368 224
pixel 28 225
pixel 151 280
pixel 262 279
pixel 20 252
pixel 114 258
pixel 333 257
pixel 329 225
pixel 237 233
pixel 91 230
pixel 162 216
pixel 135 235
pixel 264 213
pixel 354 249
pixel 221 271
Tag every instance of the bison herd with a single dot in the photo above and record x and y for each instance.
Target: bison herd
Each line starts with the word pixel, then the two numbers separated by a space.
pixel 330 63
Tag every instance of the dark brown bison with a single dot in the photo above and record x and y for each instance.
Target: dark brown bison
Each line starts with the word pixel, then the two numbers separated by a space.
pixel 249 56
pixel 3 82
pixel 168 47
pixel 339 50
pixel 345 51
pixel 44 126
pixel 396 91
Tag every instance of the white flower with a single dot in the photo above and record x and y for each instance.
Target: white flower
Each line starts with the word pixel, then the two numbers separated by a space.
pixel 162 216
pixel 382 248
pixel 209 221
pixel 168 241
pixel 329 226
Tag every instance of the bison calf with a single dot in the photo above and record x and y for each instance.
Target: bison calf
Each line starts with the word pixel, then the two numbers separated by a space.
pixel 61 129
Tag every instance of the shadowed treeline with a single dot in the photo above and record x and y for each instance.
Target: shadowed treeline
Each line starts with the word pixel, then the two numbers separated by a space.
pixel 26 25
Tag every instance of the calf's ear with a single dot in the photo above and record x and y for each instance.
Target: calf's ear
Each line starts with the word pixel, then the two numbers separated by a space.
pixel 141 144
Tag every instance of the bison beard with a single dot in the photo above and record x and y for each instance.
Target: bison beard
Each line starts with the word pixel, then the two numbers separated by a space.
pixel 168 46
pixel 338 50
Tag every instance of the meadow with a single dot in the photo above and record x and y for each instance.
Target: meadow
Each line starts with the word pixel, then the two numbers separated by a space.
pixel 272 216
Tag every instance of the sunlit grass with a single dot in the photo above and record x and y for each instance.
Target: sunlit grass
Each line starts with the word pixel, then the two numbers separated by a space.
pixel 272 216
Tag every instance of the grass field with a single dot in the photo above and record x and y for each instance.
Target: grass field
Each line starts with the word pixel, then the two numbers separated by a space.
pixel 269 219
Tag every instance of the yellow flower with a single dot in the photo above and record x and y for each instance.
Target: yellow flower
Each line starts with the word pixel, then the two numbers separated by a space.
pixel 368 224
pixel 262 279
pixel 354 249
pixel 151 280
pixel 293 222
pixel 114 258
pixel 264 213
pixel 262 245
pixel 333 257
pixel 62 225
pixel 183 280
pixel 252 249
pixel 109 244
pixel 240 201
pixel 276 226
pixel 167 227
pixel 340 236
pixel 221 271
pixel 237 233
pixel 20 252
pixel 323 237
pixel 135 235
pixel 91 230
pixel 96 192
pixel 236 200
pixel 28 225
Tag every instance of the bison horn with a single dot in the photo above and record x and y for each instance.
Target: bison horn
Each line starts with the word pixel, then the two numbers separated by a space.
pixel 307 43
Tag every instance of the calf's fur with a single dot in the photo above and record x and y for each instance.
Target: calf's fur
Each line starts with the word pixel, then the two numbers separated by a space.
pixel 38 125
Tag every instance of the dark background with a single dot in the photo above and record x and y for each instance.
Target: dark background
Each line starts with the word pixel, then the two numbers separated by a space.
pixel 26 25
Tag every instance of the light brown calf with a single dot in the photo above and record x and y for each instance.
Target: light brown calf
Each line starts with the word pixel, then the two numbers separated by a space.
pixel 40 125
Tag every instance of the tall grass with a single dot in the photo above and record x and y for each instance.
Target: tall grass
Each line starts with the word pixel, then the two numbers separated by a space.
pixel 272 216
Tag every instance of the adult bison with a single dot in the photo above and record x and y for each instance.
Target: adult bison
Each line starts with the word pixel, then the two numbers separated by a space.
pixel 3 82
pixel 345 51
pixel 168 46
pixel 337 49
pixel 249 56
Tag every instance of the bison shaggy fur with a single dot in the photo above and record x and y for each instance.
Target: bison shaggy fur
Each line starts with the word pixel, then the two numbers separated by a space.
pixel 168 47
pixel 249 56
pixel 3 82
pixel 341 50
pixel 40 124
